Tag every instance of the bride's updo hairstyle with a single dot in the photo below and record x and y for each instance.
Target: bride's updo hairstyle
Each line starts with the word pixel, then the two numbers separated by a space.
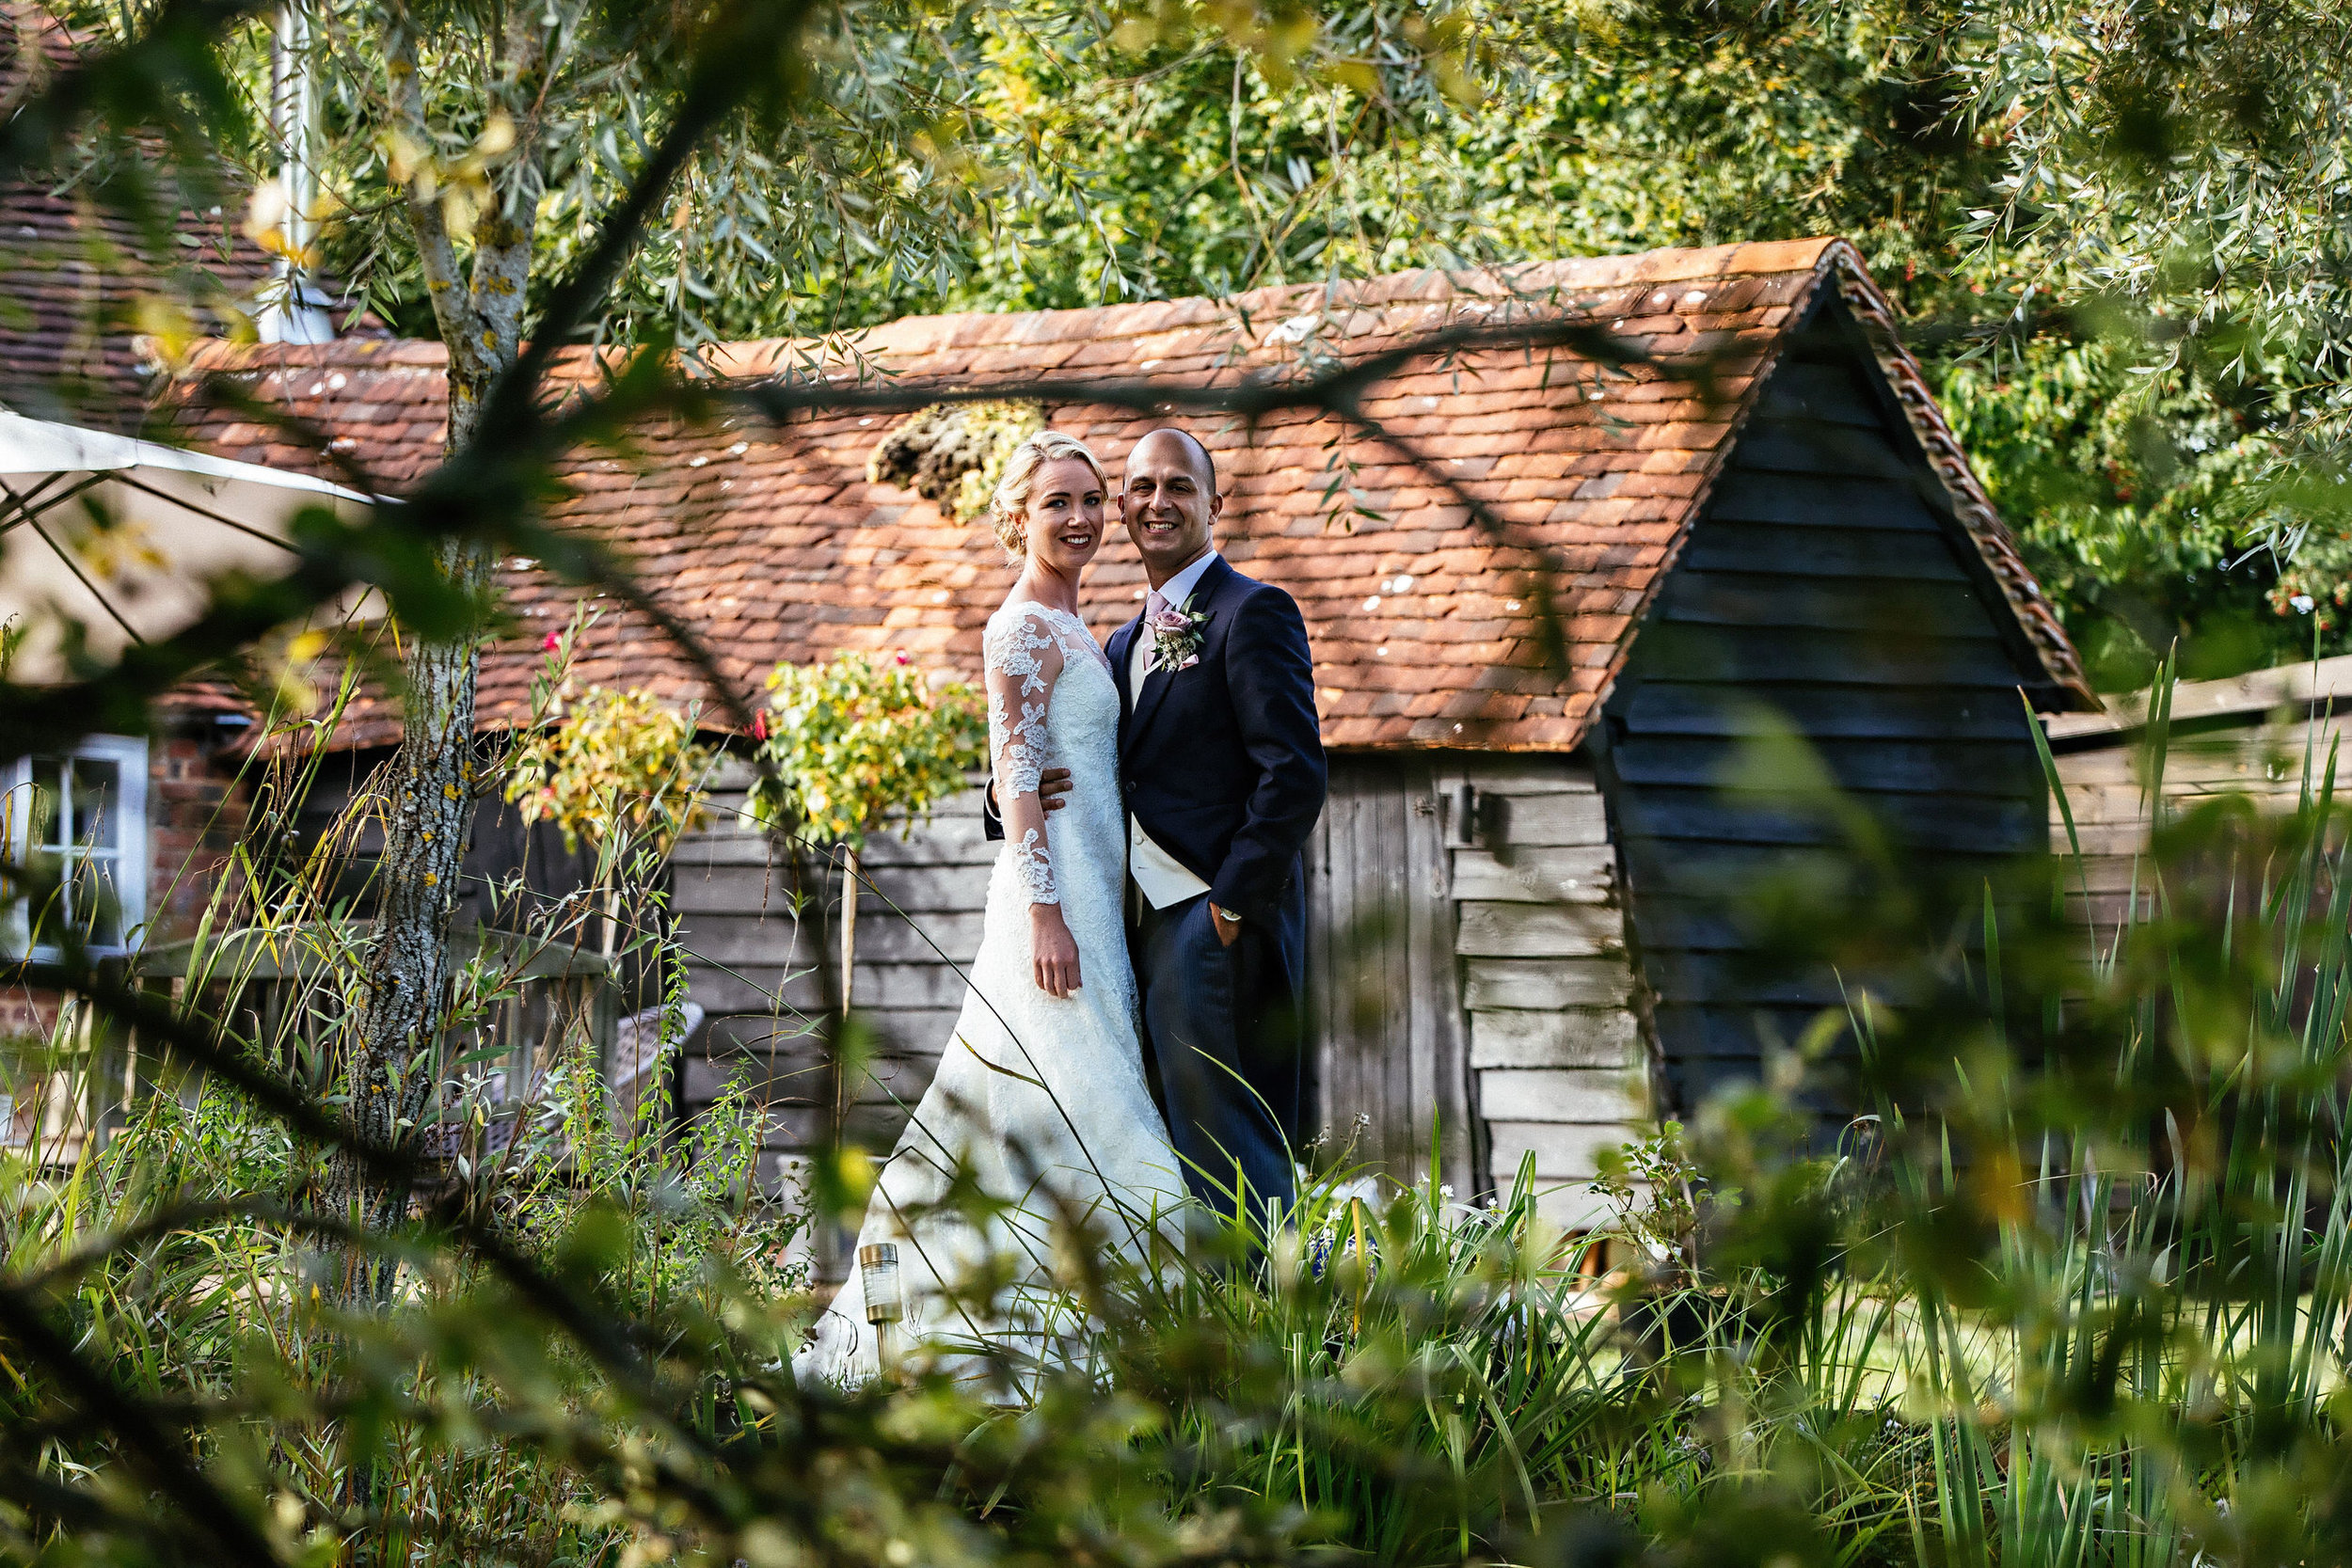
pixel 1009 508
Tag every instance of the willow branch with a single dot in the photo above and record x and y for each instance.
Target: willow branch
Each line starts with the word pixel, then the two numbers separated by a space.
pixel 166 1460
pixel 731 66
pixel 135 83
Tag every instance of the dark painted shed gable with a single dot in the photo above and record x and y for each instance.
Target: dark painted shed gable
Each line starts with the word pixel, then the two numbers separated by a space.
pixel 1827 583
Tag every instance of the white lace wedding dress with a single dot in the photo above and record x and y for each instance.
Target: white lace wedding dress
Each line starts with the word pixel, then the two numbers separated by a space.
pixel 1042 1097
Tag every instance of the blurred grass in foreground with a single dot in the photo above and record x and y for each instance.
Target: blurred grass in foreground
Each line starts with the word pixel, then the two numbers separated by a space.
pixel 2071 1290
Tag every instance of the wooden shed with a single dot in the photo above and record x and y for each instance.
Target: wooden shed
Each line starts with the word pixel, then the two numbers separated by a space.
pixel 1515 890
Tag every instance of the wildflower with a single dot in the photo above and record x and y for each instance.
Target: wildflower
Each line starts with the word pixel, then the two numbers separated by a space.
pixel 550 643
pixel 2302 603
pixel 902 656
pixel 759 726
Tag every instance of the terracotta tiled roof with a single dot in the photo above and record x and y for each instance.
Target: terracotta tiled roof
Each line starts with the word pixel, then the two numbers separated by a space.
pixel 774 543
pixel 75 274
pixel 75 270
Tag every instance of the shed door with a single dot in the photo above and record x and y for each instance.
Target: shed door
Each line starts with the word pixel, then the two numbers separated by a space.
pixel 1384 1030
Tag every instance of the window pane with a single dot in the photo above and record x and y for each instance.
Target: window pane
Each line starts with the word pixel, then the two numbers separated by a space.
pixel 69 815
pixel 96 785
pixel 46 914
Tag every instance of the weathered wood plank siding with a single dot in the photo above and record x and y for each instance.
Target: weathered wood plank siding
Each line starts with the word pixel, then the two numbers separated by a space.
pixel 500 846
pixel 2258 735
pixel 1826 589
pixel 1384 1034
pixel 1555 1046
pixel 2106 789
pixel 753 966
pixel 1444 978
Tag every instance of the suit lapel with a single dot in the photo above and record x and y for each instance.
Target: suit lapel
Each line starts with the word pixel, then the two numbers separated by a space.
pixel 1155 685
pixel 1121 653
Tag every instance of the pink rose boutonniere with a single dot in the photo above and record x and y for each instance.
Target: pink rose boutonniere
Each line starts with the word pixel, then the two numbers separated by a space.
pixel 1175 637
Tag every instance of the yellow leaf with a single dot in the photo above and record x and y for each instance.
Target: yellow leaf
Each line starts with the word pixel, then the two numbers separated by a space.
pixel 497 135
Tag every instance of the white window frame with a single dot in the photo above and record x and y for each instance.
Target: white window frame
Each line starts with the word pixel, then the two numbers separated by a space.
pixel 128 753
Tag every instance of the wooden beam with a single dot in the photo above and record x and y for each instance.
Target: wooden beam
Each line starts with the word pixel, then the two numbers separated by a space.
pixel 1564 1095
pixel 1560 1149
pixel 2257 691
pixel 1537 874
pixel 1493 983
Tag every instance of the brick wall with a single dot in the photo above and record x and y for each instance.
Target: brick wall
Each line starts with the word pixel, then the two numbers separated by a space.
pixel 195 811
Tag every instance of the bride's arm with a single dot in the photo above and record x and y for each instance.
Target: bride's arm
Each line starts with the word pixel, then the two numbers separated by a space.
pixel 1024 662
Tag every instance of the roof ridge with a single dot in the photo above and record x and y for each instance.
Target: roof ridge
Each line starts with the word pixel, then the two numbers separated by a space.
pixel 1137 318
pixel 762 356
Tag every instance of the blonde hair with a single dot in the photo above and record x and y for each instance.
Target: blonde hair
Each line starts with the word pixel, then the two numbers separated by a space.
pixel 1009 508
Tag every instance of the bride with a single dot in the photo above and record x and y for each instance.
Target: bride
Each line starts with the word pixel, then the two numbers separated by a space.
pixel 1041 1093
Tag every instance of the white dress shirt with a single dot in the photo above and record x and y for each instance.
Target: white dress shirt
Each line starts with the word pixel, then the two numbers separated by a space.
pixel 1158 875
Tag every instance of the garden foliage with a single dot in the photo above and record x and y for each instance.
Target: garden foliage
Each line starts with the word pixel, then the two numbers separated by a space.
pixel 2075 1293
pixel 2111 232
pixel 611 763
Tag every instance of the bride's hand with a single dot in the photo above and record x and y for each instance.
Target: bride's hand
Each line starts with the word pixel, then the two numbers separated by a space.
pixel 1053 950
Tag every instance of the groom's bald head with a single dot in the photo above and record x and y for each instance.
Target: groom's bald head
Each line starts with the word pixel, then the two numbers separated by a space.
pixel 1168 498
pixel 1203 465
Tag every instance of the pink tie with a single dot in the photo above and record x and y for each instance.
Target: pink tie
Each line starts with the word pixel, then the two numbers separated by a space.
pixel 1152 606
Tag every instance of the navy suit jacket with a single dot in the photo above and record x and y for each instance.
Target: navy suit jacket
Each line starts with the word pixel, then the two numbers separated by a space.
pixel 1222 763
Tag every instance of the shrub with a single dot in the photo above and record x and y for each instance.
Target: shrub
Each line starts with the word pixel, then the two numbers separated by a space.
pixel 858 736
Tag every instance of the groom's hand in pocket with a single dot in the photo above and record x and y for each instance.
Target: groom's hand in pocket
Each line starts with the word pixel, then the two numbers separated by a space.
pixel 1053 950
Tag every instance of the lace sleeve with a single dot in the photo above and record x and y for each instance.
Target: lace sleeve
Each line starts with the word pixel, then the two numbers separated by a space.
pixel 1024 662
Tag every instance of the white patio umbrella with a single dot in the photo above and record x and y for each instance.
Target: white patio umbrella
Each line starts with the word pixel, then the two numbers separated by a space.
pixel 122 535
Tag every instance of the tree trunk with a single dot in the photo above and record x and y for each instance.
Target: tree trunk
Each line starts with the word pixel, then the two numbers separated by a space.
pixel 395 1065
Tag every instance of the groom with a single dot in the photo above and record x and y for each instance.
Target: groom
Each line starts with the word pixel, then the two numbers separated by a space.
pixel 1222 760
